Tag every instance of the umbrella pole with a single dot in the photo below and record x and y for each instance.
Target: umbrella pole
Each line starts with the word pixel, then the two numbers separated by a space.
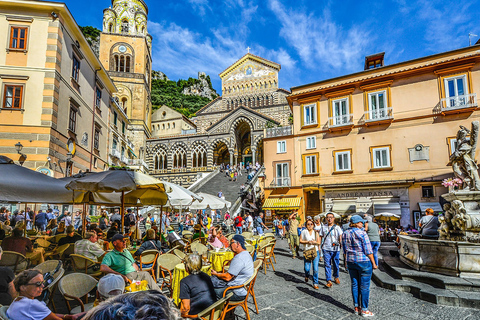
pixel 123 214
pixel 84 219
pixel 161 219
pixel 24 219
pixel 34 215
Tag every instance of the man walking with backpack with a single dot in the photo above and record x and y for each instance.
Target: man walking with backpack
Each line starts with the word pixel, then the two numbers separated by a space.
pixel 331 237
pixel 259 225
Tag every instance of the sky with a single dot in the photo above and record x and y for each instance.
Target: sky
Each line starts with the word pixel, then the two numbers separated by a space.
pixel 312 40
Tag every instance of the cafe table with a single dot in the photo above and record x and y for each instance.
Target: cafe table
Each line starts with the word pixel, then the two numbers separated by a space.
pixel 217 258
pixel 178 274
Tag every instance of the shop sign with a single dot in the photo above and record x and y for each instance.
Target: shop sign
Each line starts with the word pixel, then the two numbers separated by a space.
pixel 366 193
pixel 45 170
pixel 268 213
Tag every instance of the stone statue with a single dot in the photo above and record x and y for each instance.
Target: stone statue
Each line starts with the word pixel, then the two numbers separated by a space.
pixel 463 158
pixel 453 221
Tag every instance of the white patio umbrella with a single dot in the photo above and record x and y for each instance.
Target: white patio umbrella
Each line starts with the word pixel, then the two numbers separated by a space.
pixel 324 214
pixel 179 196
pixel 210 201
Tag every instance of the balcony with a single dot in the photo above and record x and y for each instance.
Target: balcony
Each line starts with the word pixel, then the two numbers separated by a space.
pixel 137 163
pixel 278 132
pixel 130 144
pixel 459 104
pixel 125 160
pixel 281 182
pixel 379 116
pixel 342 122
pixel 115 153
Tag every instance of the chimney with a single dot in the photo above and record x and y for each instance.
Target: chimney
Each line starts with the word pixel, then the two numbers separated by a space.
pixel 374 61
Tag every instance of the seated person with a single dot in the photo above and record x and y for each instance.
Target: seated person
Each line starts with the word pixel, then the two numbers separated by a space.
pixel 7 289
pixel 112 231
pixel 71 237
pixel 18 243
pixel 213 239
pixel 89 247
pixel 109 286
pixel 221 237
pixel 240 270
pixel 6 227
pixel 173 238
pixel 149 244
pixel 120 261
pixel 60 229
pixel 198 233
pixel 29 285
pixel 149 304
pixel 196 290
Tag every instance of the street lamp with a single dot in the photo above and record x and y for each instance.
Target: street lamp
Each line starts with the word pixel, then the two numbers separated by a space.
pixel 18 147
pixel 23 157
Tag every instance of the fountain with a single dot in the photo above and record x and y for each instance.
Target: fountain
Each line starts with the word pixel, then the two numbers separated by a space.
pixel 457 251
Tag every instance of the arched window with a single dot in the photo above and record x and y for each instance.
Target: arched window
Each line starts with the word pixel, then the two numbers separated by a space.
pixel 173 125
pixel 125 26
pixel 199 156
pixel 143 30
pixel 110 27
pixel 168 125
pixel 179 157
pixel 160 160
pixel 163 126
pixel 124 104
pixel 127 64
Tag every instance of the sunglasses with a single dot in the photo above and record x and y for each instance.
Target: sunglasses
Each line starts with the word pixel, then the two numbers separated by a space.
pixel 36 284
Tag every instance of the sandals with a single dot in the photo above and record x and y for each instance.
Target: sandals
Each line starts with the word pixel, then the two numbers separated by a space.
pixel 306 279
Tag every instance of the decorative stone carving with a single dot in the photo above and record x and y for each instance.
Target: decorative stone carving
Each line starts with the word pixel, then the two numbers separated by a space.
pixel 463 159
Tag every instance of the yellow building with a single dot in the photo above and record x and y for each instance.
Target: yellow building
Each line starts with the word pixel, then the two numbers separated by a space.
pixel 374 141
pixel 125 51
pixel 55 94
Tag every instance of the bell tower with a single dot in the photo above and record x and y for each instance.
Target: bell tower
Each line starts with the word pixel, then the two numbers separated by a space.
pixel 125 52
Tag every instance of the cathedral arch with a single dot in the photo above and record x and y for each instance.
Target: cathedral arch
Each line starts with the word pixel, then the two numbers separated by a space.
pixel 160 159
pixel 179 156
pixel 199 155
pixel 122 61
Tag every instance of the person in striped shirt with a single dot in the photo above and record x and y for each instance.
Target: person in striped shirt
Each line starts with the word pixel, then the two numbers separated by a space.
pixel 358 256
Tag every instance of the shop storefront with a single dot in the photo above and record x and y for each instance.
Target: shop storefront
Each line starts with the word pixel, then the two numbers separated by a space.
pixel 280 206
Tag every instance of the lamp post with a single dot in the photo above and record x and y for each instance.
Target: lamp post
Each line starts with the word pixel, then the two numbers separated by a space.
pixel 23 157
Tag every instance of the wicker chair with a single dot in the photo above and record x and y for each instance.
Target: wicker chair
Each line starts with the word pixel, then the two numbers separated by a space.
pixel 14 260
pixel 247 235
pixel 199 247
pixel 59 236
pixel 74 287
pixel 214 312
pixel 149 257
pixel 250 249
pixel 231 305
pixel 44 243
pixel 269 234
pixel 265 254
pixel 85 265
pixel 50 266
pixel 179 254
pixel 256 266
pixel 58 252
pixel 3 313
pixel 165 265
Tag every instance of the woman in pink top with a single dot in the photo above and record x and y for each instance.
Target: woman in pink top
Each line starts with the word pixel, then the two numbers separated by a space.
pixel 213 239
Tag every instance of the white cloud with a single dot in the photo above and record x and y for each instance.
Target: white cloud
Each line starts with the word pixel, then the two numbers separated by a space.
pixel 201 6
pixel 318 40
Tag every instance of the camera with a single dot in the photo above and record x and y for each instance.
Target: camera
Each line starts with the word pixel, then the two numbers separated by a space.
pixel 335 244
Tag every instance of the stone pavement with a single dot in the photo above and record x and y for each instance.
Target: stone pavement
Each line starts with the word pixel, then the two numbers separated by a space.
pixel 283 294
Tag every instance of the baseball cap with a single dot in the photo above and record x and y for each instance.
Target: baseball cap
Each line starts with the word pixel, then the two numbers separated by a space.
pixel 111 282
pixel 356 219
pixel 118 236
pixel 240 239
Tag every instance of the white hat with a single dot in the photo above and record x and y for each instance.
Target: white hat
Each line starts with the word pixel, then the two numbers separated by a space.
pixel 109 283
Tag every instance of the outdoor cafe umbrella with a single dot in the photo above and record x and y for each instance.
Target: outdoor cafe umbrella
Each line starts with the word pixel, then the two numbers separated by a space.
pixel 117 180
pixel 180 196
pixel 387 216
pixel 210 201
pixel 324 214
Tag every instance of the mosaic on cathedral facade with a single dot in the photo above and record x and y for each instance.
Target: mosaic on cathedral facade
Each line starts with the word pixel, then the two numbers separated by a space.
pixel 230 129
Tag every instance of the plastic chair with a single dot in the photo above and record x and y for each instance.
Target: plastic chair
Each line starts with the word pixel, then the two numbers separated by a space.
pixel 50 266
pixel 214 312
pixel 14 260
pixel 165 265
pixel 149 257
pixel 85 265
pixel 74 287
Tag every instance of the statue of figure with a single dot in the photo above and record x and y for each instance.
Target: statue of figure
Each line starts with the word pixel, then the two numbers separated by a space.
pixel 463 158
pixel 459 219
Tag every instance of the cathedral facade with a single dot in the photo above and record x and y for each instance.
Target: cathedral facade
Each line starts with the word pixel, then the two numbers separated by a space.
pixel 230 129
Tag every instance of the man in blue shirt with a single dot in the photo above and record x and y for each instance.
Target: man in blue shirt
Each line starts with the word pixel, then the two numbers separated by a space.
pixel 41 220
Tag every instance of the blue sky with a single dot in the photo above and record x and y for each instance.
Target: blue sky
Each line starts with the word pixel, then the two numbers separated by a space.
pixel 312 40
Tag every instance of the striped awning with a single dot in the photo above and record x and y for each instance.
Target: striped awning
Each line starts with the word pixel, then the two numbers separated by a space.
pixel 282 203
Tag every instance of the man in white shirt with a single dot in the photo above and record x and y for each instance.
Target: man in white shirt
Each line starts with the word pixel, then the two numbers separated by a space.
pixel 331 237
pixel 88 247
pixel 249 222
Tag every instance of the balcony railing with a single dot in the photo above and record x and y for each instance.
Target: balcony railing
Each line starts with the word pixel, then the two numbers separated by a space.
pixel 459 102
pixel 137 162
pixel 125 160
pixel 130 144
pixel 278 132
pixel 281 182
pixel 379 114
pixel 340 121
pixel 115 153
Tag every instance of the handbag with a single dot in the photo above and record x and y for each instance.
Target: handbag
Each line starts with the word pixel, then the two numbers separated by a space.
pixel 310 254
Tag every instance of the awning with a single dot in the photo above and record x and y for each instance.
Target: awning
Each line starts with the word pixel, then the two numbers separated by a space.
pixel 344 207
pixel 282 203
pixel 387 208
pixel 434 205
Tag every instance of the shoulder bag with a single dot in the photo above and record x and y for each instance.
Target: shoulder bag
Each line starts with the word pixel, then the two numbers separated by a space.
pixel 310 254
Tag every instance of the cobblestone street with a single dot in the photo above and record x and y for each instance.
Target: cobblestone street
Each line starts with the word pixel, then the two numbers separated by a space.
pixel 283 294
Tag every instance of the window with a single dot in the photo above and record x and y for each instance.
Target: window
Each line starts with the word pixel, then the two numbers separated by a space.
pixel 377 105
pixel 95 162
pixel 123 127
pixel 12 97
pixel 340 112
pixel 114 144
pixel 343 160
pixel 160 160
pixel 122 63
pixel 311 142
pixel 18 38
pixel 309 114
pixel 115 118
pixel 310 164
pixel 455 91
pixel 281 146
pixel 96 139
pixel 122 153
pixel 98 97
pixel 381 157
pixel 282 175
pixel 199 156
pixel 75 68
pixel 427 192
pixel 72 123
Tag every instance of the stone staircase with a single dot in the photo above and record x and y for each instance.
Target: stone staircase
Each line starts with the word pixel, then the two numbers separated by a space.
pixel 394 275
pixel 230 189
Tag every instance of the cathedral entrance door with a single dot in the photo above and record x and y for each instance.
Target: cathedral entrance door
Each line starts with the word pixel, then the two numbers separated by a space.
pixel 247 159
